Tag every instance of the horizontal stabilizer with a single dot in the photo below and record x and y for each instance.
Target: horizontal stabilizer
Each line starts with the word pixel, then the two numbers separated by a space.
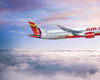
pixel 32 35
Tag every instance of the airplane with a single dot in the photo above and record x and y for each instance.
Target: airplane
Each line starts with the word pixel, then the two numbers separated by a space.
pixel 64 33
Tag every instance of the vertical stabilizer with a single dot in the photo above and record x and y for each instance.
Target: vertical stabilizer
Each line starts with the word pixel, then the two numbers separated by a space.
pixel 36 30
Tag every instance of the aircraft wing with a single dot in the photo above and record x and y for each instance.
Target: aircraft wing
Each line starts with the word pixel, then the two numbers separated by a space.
pixel 74 32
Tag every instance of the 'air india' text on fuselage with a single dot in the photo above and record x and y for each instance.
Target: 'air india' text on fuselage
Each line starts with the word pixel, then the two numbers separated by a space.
pixel 93 28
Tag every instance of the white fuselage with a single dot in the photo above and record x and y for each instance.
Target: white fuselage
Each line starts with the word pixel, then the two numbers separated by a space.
pixel 55 34
pixel 61 34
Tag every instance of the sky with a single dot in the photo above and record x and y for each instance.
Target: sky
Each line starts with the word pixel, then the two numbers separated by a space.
pixel 47 13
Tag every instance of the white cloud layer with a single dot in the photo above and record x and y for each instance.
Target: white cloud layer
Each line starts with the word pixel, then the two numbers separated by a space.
pixel 21 64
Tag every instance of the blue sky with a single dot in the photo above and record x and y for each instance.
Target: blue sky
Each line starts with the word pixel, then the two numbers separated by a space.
pixel 47 13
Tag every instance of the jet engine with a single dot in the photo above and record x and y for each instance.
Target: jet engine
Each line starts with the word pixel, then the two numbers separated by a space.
pixel 89 35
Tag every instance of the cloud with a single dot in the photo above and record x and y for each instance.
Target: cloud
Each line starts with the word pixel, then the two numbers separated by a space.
pixel 71 11
pixel 76 1
pixel 20 5
pixel 54 18
pixel 49 64
pixel 13 22
pixel 57 17
pixel 1 21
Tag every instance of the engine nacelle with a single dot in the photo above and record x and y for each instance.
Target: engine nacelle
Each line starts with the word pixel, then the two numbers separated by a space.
pixel 89 35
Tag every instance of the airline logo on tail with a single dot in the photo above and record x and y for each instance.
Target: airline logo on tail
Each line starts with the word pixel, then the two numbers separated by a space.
pixel 35 29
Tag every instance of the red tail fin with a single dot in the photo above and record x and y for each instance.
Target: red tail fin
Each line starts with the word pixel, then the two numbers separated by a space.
pixel 35 29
